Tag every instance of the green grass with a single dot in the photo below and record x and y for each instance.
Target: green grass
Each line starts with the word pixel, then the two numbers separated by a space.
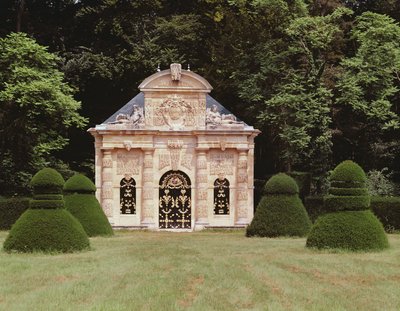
pixel 200 271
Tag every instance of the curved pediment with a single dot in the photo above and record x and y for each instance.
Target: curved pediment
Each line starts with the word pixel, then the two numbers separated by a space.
pixel 165 80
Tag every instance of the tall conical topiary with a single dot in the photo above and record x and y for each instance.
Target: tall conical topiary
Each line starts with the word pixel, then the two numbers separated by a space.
pixel 46 226
pixel 349 224
pixel 81 202
pixel 280 211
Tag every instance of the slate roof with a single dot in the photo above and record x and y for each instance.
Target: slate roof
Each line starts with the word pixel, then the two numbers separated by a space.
pixel 139 101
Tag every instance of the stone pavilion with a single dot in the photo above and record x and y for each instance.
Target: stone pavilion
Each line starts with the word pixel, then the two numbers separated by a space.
pixel 173 158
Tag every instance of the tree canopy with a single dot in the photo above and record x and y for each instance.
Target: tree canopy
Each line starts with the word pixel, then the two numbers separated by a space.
pixel 319 78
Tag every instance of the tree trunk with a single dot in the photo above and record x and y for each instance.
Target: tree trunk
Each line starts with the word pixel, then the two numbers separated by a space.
pixel 20 12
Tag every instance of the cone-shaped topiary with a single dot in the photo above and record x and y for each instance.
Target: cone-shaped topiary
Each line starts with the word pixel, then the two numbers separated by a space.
pixel 46 226
pixel 82 203
pixel 280 211
pixel 349 224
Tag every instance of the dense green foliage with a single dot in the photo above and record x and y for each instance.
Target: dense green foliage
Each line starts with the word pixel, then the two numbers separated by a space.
pixel 387 209
pixel 350 230
pixel 348 222
pixel 10 210
pixel 79 184
pixel 36 110
pixel 314 206
pixel 52 230
pixel 280 211
pixel 87 210
pixel 281 184
pixel 319 78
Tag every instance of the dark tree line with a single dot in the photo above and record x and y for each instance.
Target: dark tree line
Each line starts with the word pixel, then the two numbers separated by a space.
pixel 319 78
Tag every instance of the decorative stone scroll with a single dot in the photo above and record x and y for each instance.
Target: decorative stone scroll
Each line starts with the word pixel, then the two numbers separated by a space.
pixel 221 163
pixel 128 163
pixel 176 71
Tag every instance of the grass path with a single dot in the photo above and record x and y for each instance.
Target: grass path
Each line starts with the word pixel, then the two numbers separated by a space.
pixel 200 271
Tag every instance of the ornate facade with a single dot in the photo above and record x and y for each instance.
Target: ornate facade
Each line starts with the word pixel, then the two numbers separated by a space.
pixel 174 158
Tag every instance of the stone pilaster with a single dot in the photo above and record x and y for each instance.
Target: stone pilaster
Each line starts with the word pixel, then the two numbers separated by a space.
pixel 201 188
pixel 242 190
pixel 98 164
pixel 148 187
pixel 107 194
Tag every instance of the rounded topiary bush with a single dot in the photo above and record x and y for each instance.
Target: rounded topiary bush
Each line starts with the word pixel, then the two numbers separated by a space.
pixel 280 212
pixel 79 183
pixel 81 202
pixel 281 184
pixel 46 226
pixel 348 223
pixel 50 230
pixel 47 181
pixel 350 230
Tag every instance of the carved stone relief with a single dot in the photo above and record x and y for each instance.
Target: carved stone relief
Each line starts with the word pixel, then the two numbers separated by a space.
pixel 163 160
pixel 187 161
pixel 242 178
pixel 202 178
pixel 134 119
pixel 202 162
pixel 221 163
pixel 107 161
pixel 107 192
pixel 202 194
pixel 175 113
pixel 214 118
pixel 243 195
pixel 202 210
pixel 176 71
pixel 242 163
pixel 128 163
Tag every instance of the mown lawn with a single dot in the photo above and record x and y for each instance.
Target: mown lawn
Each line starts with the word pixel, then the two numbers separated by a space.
pixel 200 271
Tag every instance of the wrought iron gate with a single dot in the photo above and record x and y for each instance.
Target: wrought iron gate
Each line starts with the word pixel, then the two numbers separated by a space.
pixel 175 203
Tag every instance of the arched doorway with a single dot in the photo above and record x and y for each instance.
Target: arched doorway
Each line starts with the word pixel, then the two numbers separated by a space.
pixel 175 202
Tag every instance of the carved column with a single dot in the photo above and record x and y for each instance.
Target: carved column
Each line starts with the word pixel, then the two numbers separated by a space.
pixel 148 186
pixel 242 197
pixel 107 186
pixel 201 188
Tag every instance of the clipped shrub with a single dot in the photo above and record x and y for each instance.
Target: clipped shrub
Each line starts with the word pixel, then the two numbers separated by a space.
pixel 349 230
pixel 387 209
pixel 79 183
pixel 47 181
pixel 281 184
pixel 350 172
pixel 85 207
pixel 46 226
pixel 50 230
pixel 10 210
pixel 280 212
pixel 348 223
